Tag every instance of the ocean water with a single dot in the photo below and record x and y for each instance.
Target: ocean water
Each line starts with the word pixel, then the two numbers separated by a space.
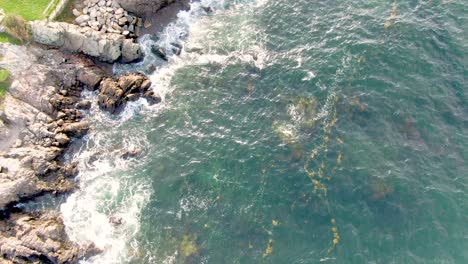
pixel 290 132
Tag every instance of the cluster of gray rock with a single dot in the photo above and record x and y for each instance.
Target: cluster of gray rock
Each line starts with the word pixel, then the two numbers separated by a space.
pixel 107 47
pixel 108 16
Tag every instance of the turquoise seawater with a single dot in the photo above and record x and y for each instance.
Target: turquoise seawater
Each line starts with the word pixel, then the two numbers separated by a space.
pixel 298 132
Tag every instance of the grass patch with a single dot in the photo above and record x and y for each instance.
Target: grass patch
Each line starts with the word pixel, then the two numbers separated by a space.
pixel 28 9
pixel 67 15
pixel 4 82
pixel 5 38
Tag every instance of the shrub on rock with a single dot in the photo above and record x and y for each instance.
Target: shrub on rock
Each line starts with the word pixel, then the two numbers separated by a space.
pixel 17 27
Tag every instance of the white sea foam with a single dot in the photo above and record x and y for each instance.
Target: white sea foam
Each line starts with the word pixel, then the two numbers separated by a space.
pixel 107 190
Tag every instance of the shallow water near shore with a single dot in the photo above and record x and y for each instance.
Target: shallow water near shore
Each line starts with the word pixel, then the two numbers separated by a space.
pixel 298 132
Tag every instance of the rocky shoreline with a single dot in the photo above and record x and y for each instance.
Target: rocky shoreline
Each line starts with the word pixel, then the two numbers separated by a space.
pixel 39 118
pixel 42 113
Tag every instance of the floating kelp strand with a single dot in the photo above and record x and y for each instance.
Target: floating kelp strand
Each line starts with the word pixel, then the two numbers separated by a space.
pixel 318 156
pixel 392 17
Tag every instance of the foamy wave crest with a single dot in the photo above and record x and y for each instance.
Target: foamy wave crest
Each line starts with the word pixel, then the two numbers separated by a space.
pixel 188 26
pixel 106 208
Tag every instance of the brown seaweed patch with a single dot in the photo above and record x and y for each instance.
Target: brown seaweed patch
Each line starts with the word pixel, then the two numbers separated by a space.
pixel 269 248
pixel 189 247
pixel 380 189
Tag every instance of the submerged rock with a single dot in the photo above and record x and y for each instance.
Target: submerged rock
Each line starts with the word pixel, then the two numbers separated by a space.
pixel 159 51
pixel 115 220
pixel 152 97
pixel 207 9
pixel 131 152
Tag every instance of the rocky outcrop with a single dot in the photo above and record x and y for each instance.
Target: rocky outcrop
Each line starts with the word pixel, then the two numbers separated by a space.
pixel 38 120
pixel 113 94
pixel 144 7
pixel 107 16
pixel 39 238
pixel 107 47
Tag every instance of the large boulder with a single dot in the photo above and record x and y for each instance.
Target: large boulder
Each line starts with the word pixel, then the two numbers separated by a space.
pixel 144 7
pixel 52 34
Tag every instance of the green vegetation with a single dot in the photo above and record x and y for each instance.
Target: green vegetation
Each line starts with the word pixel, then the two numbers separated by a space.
pixel 67 15
pixel 4 82
pixel 28 9
pixel 5 38
pixel 17 27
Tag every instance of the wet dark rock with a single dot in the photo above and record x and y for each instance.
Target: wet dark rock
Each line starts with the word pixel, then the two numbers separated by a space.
pixel 158 51
pixel 115 220
pixel 207 9
pixel 131 82
pixel 70 170
pixel 152 97
pixel 176 48
pixel 131 152
pixel 145 85
pixel 177 45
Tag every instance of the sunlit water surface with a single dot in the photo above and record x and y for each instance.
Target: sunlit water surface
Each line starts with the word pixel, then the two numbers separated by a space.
pixel 293 132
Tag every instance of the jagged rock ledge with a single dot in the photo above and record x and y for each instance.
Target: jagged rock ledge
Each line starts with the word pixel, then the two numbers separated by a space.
pixel 39 117
pixel 38 238
pixel 107 47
